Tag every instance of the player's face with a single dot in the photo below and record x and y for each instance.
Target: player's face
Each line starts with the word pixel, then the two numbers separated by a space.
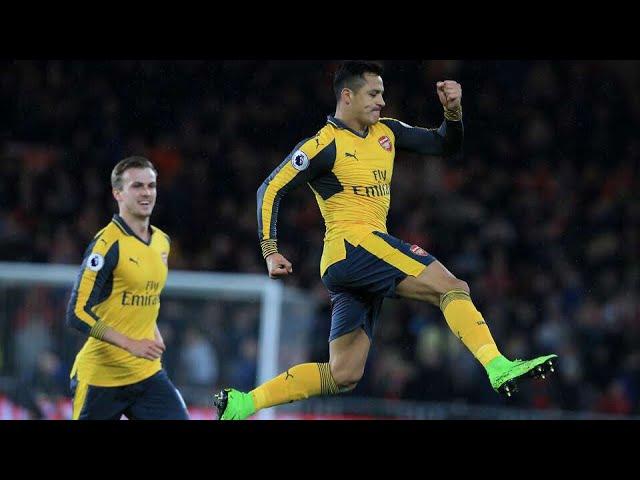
pixel 367 102
pixel 138 194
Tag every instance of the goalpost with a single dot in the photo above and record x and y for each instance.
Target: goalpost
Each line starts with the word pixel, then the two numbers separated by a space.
pixel 286 313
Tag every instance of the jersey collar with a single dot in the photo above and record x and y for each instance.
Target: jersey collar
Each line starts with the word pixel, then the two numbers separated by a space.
pixel 122 225
pixel 340 124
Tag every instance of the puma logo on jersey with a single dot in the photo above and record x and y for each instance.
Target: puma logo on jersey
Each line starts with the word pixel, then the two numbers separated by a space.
pixel 351 155
pixel 134 261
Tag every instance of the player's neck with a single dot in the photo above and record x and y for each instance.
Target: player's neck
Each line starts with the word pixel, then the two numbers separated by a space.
pixel 140 226
pixel 350 121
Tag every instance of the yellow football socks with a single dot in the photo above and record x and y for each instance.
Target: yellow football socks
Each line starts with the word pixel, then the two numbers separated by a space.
pixel 466 322
pixel 298 383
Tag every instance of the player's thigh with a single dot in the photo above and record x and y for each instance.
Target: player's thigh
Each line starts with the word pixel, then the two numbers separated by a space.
pixel 159 400
pixel 434 281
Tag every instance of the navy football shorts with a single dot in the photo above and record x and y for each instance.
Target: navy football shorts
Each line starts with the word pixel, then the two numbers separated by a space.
pixel 370 272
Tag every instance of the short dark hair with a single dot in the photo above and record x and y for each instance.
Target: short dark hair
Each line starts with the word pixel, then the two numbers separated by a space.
pixel 124 165
pixel 350 74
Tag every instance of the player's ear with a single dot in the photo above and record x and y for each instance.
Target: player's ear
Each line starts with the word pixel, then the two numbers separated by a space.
pixel 116 193
pixel 346 95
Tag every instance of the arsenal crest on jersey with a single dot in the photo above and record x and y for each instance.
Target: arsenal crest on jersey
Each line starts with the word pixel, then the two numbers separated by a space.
pixel 164 256
pixel 416 250
pixel 385 143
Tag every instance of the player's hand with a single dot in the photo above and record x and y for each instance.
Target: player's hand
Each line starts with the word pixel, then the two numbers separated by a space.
pixel 160 340
pixel 278 266
pixel 449 93
pixel 145 348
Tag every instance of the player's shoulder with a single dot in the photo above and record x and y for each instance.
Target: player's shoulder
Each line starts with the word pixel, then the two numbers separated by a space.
pixel 161 233
pixel 318 144
pixel 388 120
pixel 326 133
pixel 393 126
pixel 106 237
pixel 392 123
pixel 104 246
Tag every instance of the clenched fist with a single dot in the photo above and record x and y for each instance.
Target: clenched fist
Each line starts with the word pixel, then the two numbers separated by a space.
pixel 450 94
pixel 278 266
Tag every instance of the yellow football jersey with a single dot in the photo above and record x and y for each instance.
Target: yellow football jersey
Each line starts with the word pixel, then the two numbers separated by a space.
pixel 350 174
pixel 119 285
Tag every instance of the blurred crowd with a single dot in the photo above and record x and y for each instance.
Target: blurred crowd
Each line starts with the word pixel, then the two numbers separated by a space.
pixel 540 216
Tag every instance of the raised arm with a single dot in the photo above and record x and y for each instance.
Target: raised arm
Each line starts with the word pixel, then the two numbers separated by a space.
pixel 446 140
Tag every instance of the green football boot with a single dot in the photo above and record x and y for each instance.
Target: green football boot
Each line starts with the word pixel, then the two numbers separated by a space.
pixel 233 405
pixel 504 374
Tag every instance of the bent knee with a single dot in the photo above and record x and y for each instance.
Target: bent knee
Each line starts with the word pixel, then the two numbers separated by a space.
pixel 346 377
pixel 452 284
pixel 458 284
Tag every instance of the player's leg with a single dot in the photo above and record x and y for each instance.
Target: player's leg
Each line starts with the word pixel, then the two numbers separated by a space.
pixel 157 399
pixel 96 403
pixel 422 277
pixel 347 358
pixel 439 286
pixel 352 319
pixel 296 383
